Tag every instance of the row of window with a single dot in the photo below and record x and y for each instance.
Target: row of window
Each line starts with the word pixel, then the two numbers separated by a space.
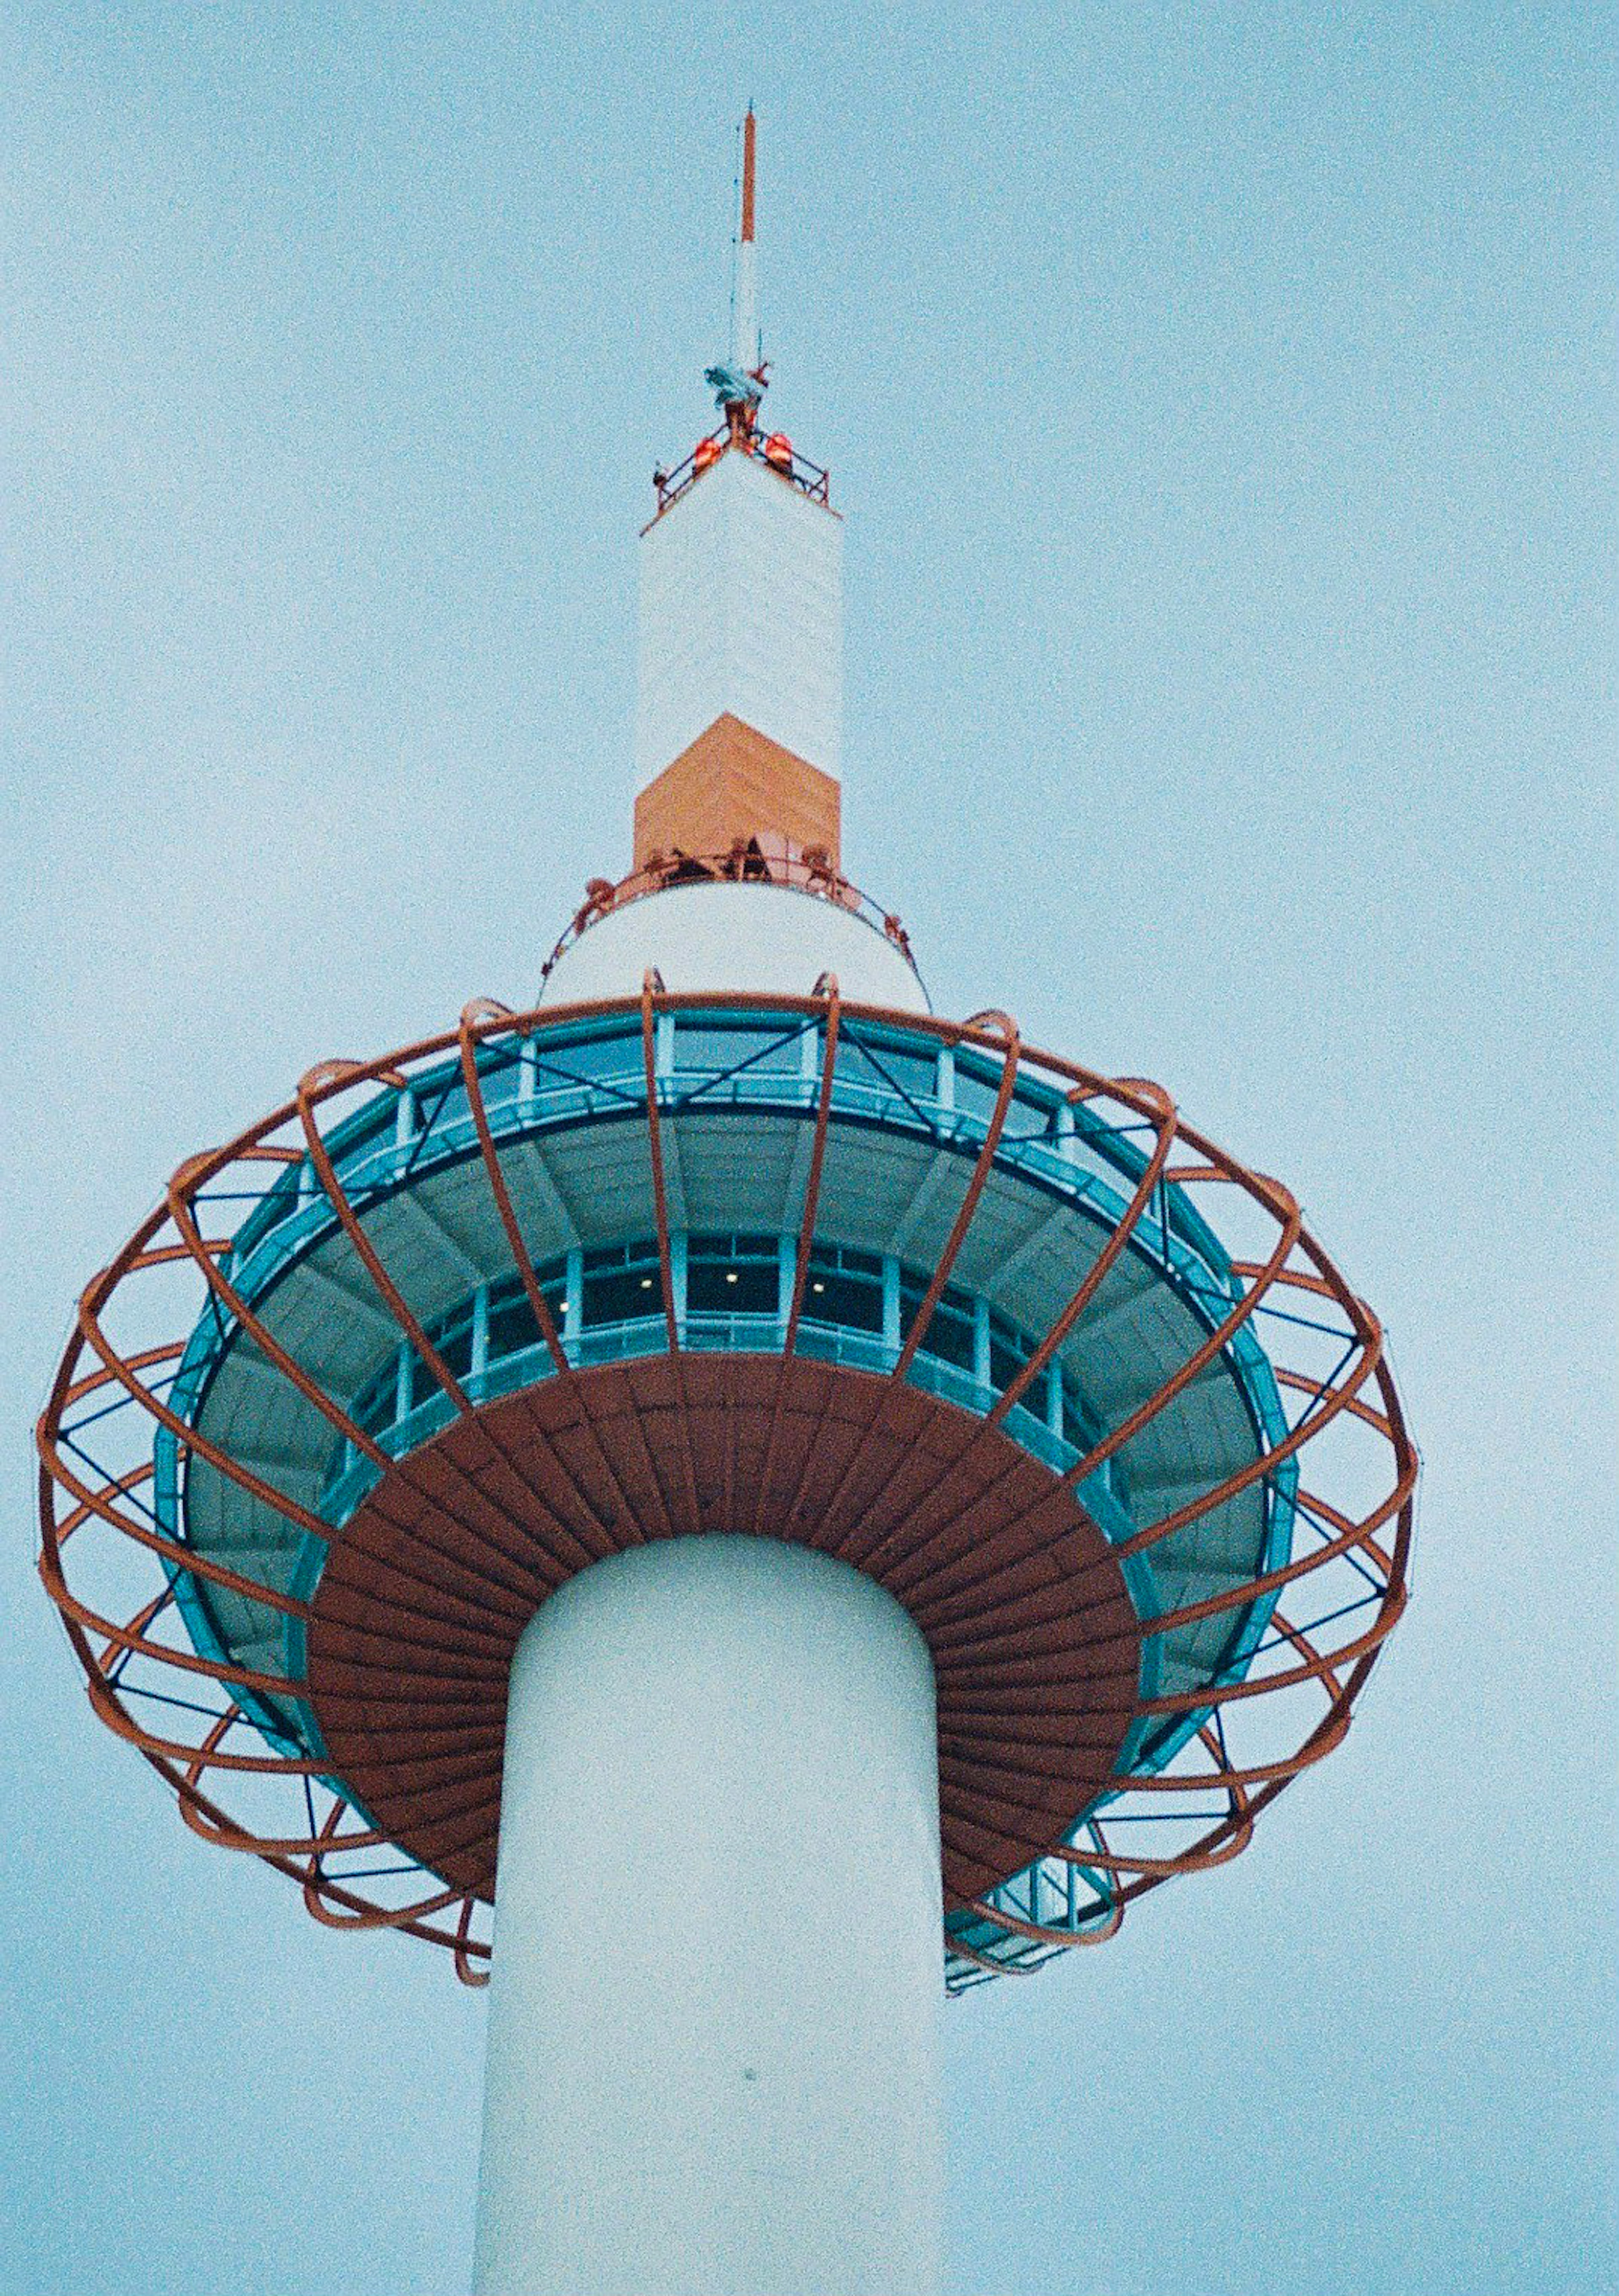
pixel 846 1290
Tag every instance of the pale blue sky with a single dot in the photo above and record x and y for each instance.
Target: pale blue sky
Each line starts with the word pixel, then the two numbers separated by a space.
pixel 1220 400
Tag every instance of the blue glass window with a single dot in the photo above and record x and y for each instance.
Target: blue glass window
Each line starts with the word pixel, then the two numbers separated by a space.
pixel 374 1408
pixel 732 1274
pixel 622 1281
pixel 949 1334
pixel 451 1337
pixel 1008 1351
pixel 512 1325
pixel 752 1051
pixel 845 1287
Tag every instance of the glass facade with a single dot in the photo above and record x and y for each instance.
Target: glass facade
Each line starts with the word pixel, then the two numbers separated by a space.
pixel 873 1300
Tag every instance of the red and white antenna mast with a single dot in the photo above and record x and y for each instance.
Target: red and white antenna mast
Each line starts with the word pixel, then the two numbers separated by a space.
pixel 745 310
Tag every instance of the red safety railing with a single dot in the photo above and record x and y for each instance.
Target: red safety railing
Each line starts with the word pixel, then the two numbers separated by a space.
pixel 794 469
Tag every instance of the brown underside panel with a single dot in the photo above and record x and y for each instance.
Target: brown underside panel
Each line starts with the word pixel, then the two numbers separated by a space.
pixel 426 1589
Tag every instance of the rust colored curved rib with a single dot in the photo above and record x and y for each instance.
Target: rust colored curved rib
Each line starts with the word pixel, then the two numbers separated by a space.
pixel 1377 1420
pixel 291 1371
pixel 1097 1275
pixel 1337 1399
pixel 1292 1226
pixel 1273 1778
pixel 318 1888
pixel 194 1174
pixel 541 1312
pixel 977 1180
pixel 465 1946
pixel 1228 1694
pixel 1310 1426
pixel 806 1236
pixel 123 1725
pixel 652 986
pixel 1207 1851
pixel 126 1638
pixel 90 1334
pixel 296 1376
pixel 970 1202
pixel 159 1543
pixel 1351 1535
pixel 131 1479
pixel 660 1197
pixel 542 1316
pixel 1332 1730
pixel 959 1946
pixel 927 1532
pixel 184 1791
pixel 169 1351
pixel 187 1558
pixel 1039 1934
pixel 364 1250
pixel 232 1837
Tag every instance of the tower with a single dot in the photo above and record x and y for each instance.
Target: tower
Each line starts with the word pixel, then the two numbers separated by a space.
pixel 798 1503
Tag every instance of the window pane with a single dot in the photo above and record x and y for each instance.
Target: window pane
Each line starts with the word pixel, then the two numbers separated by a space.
pixel 1079 1426
pixel 374 1408
pixel 730 1249
pixel 854 1301
pixel 1007 1358
pixel 744 1287
pixel 512 1325
pixel 591 1059
pixel 619 1295
pixel 848 1258
pixel 949 1334
pixel 764 1051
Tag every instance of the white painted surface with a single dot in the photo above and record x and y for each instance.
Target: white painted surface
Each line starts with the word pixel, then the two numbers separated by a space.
pixel 741 610
pixel 712 2020
pixel 770 937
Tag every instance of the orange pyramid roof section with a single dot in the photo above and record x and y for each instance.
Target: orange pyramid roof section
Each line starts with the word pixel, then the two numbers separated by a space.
pixel 731 784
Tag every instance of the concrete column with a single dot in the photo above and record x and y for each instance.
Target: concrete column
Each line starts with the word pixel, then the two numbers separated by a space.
pixel 713 2011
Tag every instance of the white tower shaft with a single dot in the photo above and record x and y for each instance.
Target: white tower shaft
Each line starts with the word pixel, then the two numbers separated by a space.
pixel 741 614
pixel 713 2021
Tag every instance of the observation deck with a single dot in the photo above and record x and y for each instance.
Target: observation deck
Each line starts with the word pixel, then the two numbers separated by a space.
pixel 621 1139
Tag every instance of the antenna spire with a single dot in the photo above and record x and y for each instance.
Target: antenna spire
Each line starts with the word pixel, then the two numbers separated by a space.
pixel 745 325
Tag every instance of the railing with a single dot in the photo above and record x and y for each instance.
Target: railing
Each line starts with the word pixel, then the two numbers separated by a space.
pixel 808 478
pixel 747 862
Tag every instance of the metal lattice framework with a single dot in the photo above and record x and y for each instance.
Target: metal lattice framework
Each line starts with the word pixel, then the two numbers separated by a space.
pixel 114 1566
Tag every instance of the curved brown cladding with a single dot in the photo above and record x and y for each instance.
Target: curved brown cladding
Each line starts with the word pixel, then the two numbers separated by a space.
pixel 731 784
pixel 409 1686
